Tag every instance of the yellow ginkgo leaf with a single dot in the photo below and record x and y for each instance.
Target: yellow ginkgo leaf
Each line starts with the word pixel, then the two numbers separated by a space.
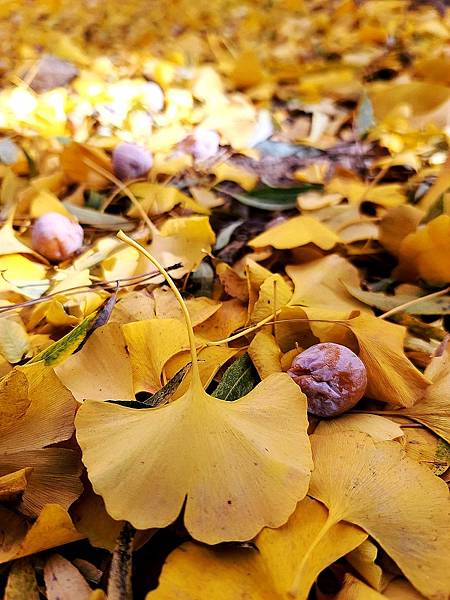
pixel 354 589
pixel 247 465
pixel 396 224
pixel 14 342
pixel 45 202
pixel 391 376
pixel 265 354
pixel 101 369
pixel 185 240
pixel 235 466
pixel 10 244
pixel 167 307
pixel 400 589
pixel 296 553
pixel 52 528
pixel 156 199
pixel 78 162
pixel 14 483
pixel 227 171
pixel 28 396
pixel 18 271
pixel 230 317
pixel 247 70
pixel 296 232
pixel 379 428
pixel 363 559
pixel 150 345
pixel 93 521
pixel 388 194
pixel 425 253
pixel 274 293
pixel 285 555
pixel 319 283
pixel 432 408
pixel 352 472
pixel 202 573
pixel 422 97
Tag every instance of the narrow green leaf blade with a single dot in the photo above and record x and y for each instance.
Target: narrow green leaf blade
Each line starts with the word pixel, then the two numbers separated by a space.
pixel 239 379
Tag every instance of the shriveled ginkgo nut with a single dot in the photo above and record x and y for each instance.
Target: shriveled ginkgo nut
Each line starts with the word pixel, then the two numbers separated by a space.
pixel 201 143
pixel 332 377
pixel 131 161
pixel 56 237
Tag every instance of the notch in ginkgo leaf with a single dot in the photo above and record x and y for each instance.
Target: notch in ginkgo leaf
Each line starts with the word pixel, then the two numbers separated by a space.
pixel 235 466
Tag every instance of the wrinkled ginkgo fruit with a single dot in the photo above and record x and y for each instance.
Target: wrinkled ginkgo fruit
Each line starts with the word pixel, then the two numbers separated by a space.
pixel 236 466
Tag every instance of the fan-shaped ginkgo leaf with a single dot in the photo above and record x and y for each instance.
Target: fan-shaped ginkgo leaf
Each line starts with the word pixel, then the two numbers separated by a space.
pixel 27 396
pixel 101 369
pixel 240 465
pixel 150 344
pixel 400 503
pixel 379 428
pixel 284 556
pixel 363 559
pixel 319 283
pixel 237 466
pixel 295 232
pixel 391 376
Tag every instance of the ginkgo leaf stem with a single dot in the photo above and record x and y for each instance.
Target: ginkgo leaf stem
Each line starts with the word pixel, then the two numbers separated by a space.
pixel 123 187
pixel 195 368
pixel 270 321
pixel 319 536
pixel 402 307
pixel 244 332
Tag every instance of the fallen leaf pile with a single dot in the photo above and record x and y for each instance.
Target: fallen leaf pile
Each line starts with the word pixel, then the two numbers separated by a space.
pixel 192 194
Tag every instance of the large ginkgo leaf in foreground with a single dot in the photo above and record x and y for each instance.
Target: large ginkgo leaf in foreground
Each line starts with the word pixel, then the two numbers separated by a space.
pixel 400 503
pixel 237 466
pixel 240 465
pixel 285 556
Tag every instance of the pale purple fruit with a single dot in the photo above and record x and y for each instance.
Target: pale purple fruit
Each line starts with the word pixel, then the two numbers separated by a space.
pixel 56 237
pixel 131 161
pixel 201 143
pixel 331 376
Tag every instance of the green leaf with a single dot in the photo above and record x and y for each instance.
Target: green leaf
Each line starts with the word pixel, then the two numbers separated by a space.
pixel 94 200
pixel 267 198
pixel 365 118
pixel 239 379
pixel 88 216
pixel 67 345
